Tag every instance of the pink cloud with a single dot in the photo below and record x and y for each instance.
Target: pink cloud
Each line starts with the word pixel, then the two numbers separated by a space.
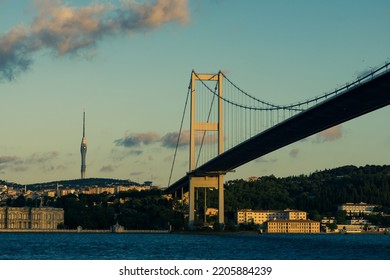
pixel 330 134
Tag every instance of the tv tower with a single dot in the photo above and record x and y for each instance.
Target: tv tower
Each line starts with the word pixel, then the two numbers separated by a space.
pixel 83 150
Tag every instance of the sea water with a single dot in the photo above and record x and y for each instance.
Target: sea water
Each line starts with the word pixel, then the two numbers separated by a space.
pixel 111 246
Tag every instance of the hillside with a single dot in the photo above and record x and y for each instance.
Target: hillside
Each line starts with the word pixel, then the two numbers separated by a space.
pixel 321 191
pixel 76 183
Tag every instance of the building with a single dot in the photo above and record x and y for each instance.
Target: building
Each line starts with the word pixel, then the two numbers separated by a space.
pixel 350 228
pixel 355 209
pixel 132 188
pixel 211 211
pixel 292 226
pixel 43 218
pixel 246 216
pixel 99 190
pixel 357 221
pixel 326 220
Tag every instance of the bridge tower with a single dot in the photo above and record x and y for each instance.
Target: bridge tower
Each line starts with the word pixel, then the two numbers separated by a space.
pixel 201 179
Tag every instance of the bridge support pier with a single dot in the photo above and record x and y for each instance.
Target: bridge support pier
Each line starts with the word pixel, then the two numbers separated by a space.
pixel 206 182
pixel 201 179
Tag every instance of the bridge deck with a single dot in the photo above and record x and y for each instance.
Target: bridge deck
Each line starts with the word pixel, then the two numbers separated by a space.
pixel 356 101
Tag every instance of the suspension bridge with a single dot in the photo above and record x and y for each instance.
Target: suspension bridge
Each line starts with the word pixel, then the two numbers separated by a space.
pixel 229 127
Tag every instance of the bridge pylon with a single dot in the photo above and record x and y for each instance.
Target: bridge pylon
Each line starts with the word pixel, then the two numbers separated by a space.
pixel 198 179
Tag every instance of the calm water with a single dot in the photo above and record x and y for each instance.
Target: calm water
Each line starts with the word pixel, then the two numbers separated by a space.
pixel 90 246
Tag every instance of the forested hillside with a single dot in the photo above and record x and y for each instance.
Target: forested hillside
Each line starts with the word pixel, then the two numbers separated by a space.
pixel 321 191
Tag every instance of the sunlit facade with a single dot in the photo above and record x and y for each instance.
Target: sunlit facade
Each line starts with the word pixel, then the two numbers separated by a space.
pixel 292 226
pixel 20 218
pixel 357 208
pixel 245 216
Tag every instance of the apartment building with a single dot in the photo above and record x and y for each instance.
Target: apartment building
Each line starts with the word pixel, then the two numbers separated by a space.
pixel 292 226
pixel 260 216
pixel 357 208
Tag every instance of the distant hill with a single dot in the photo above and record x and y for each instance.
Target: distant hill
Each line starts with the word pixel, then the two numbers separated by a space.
pixel 76 183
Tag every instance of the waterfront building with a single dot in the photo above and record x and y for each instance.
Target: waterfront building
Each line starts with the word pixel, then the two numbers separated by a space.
pixel 42 218
pixel 350 228
pixel 361 208
pixel 291 226
pixel 245 216
pixel 357 221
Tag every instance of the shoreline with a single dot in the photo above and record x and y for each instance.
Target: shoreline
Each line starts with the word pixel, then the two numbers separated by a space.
pixel 79 231
pixel 105 231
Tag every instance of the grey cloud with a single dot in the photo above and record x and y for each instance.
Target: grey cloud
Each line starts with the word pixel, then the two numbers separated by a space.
pixel 136 139
pixel 41 158
pixel 65 30
pixel 135 173
pixel 120 155
pixel 8 159
pixel 265 160
pixel 169 140
pixel 11 162
pixel 19 164
pixel 294 153
pixel 107 169
pixel 135 152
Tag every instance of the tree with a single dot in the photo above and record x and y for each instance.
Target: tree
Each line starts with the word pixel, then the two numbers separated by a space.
pixel 20 201
pixel 331 226
pixel 340 217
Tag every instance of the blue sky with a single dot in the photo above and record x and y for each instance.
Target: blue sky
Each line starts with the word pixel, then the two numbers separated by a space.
pixel 131 77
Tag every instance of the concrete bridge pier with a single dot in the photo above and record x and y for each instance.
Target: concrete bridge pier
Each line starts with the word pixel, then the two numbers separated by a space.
pixel 214 181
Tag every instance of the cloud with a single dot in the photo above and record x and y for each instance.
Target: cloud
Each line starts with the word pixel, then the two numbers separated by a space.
pixel 330 134
pixel 119 155
pixel 136 173
pixel 294 153
pixel 136 139
pixel 68 30
pixel 169 140
pixel 8 159
pixel 265 160
pixel 41 158
pixel 11 162
pixel 135 152
pixel 43 161
pixel 107 169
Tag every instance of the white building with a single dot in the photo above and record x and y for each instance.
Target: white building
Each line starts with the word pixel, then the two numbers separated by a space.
pixel 260 216
pixel 361 208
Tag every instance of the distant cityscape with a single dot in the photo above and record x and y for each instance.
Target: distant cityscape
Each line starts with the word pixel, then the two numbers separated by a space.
pixel 38 208
pixel 28 207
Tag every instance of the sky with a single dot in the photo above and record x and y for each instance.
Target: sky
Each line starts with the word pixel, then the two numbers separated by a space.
pixel 127 64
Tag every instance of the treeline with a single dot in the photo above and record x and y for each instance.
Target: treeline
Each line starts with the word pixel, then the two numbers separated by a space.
pixel 319 194
pixel 133 210
pixel 322 191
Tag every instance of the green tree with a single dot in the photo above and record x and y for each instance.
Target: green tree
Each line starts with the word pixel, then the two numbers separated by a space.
pixel 20 201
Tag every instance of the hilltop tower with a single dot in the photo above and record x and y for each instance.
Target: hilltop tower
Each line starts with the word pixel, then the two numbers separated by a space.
pixel 83 150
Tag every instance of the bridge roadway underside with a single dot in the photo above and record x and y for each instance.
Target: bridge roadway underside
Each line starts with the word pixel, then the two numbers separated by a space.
pixel 358 100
